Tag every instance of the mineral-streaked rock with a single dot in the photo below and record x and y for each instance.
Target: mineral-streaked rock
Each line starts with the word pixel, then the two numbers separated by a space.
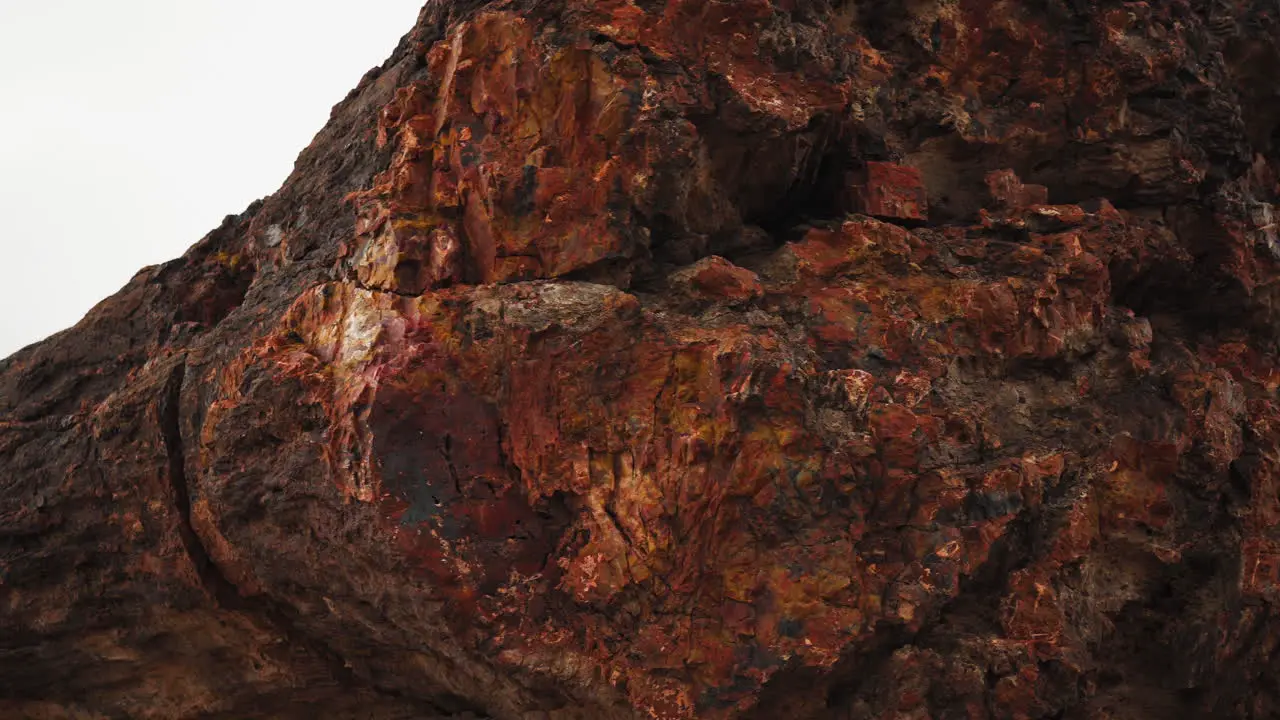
pixel 693 359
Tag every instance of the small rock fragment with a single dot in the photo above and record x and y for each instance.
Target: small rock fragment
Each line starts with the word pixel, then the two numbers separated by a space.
pixel 892 191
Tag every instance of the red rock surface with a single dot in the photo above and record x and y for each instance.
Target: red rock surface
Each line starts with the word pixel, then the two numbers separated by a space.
pixel 891 191
pixel 693 359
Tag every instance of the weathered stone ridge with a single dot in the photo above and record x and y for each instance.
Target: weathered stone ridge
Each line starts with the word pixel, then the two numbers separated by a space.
pixel 683 359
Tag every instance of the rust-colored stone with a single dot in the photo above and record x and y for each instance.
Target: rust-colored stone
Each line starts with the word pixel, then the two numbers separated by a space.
pixel 715 278
pixel 892 192
pixel 692 359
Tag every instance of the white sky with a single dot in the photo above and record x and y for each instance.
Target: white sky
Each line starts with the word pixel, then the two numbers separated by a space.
pixel 130 128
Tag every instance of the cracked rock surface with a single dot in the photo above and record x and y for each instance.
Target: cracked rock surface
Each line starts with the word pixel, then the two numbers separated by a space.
pixel 814 359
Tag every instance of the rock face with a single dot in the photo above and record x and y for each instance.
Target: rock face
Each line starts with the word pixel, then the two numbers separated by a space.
pixel 693 359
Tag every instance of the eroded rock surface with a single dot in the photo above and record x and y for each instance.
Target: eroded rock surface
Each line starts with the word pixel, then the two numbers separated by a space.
pixel 693 359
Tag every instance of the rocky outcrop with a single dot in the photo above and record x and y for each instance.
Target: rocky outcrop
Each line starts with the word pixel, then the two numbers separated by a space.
pixel 693 359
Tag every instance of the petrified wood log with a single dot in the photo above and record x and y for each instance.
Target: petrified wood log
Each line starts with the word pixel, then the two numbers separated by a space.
pixel 693 359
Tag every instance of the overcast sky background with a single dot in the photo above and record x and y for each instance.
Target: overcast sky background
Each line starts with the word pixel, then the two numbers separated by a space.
pixel 130 128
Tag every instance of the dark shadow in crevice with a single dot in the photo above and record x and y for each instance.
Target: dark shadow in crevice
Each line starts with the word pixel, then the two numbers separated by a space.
pixel 823 196
pixel 1199 301
pixel 214 582
pixel 777 184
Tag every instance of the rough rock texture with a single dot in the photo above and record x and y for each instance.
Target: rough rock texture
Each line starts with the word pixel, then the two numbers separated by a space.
pixel 693 359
